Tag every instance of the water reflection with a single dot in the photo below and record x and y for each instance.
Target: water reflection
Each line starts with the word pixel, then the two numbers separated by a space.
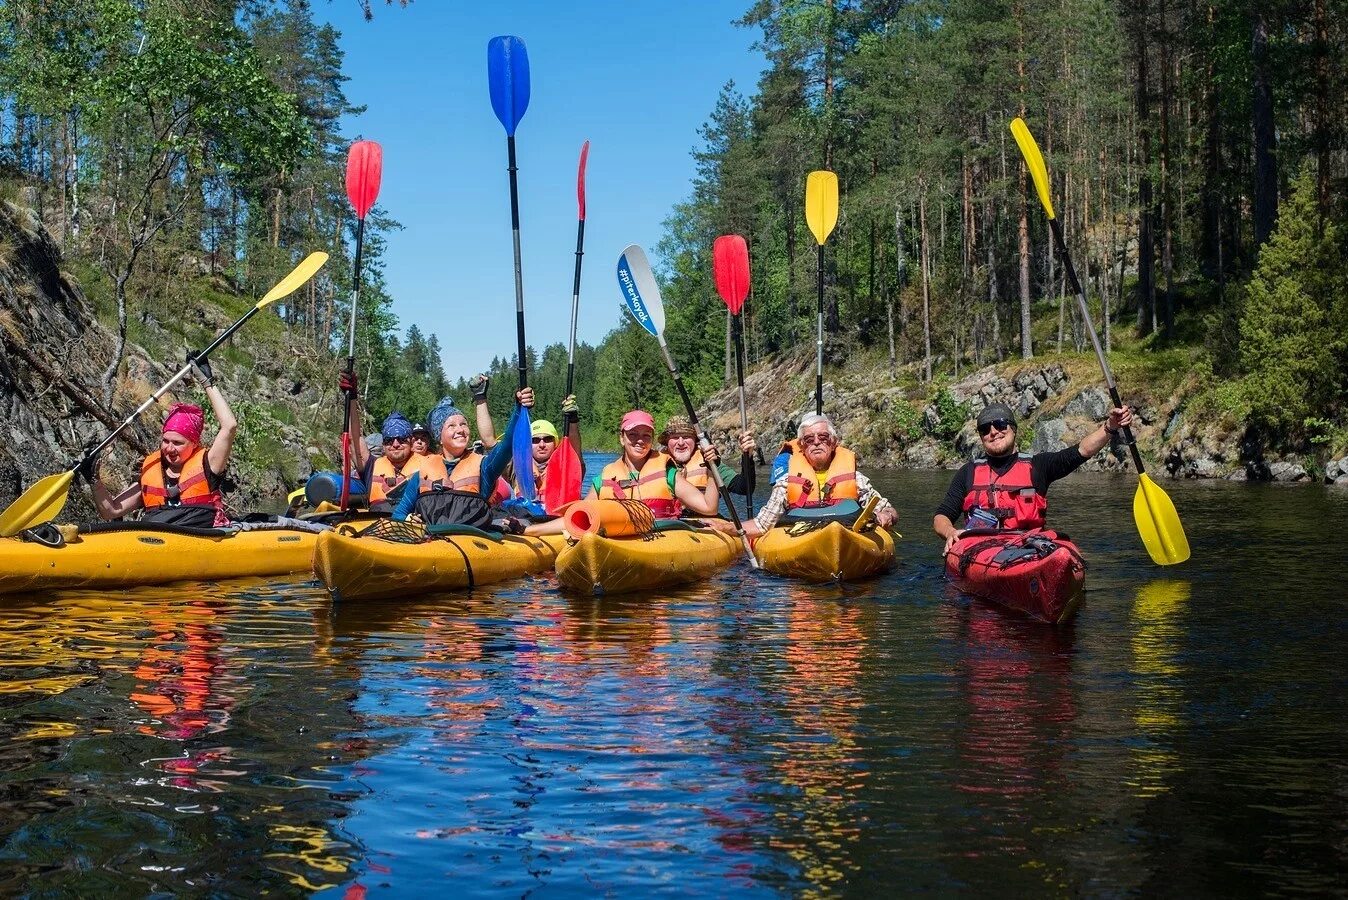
pixel 1019 719
pixel 1158 630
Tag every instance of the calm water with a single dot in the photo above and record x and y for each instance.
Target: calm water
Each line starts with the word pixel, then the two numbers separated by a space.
pixel 746 737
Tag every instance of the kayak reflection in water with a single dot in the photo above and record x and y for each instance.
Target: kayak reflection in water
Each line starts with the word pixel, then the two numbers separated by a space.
pixel 181 482
pixel 815 475
pixel 1006 489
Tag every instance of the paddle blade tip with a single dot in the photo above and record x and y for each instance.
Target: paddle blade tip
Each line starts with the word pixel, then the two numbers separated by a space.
pixel 640 293
pixel 821 203
pixel 364 170
pixel 508 77
pixel 730 267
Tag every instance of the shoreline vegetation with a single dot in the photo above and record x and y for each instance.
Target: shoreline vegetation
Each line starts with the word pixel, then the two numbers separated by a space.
pixel 1197 153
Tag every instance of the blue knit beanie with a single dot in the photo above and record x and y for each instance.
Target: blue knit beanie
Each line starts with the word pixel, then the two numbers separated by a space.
pixel 440 414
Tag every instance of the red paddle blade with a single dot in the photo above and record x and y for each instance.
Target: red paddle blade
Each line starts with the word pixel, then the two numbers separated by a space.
pixel 730 264
pixel 364 165
pixel 580 178
pixel 565 471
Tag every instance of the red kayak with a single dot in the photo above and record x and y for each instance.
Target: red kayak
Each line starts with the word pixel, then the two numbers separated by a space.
pixel 1039 573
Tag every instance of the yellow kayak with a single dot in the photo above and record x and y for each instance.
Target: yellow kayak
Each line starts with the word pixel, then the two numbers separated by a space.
pixel 134 555
pixel 601 565
pixel 367 567
pixel 831 553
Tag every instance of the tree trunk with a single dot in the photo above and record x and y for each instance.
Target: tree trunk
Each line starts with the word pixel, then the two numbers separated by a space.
pixel 926 286
pixel 1265 200
pixel 1146 276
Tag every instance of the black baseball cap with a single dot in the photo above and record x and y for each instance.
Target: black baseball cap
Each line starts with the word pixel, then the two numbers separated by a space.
pixel 994 411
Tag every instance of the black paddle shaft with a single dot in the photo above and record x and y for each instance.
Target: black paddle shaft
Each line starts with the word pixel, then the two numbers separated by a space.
pixel 351 336
pixel 519 273
pixel 575 307
pixel 819 340
pixel 1066 257
pixel 746 461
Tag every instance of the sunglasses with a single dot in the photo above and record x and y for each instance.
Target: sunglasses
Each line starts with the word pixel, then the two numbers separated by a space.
pixel 544 440
pixel 397 440
pixel 634 435
pixel 817 440
pixel 999 424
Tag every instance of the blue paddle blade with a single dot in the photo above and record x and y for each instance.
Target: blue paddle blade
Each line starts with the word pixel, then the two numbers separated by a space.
pixel 640 294
pixel 508 72
pixel 522 455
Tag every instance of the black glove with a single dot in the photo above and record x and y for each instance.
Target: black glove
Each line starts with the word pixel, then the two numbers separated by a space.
pixel 348 384
pixel 477 386
pixel 201 369
pixel 87 468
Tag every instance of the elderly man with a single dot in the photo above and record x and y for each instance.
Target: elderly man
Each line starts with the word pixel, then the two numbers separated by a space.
pixel 818 474
pixel 1006 489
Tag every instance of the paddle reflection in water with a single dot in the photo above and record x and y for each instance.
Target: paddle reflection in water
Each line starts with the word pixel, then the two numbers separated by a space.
pixel 159 741
pixel 1159 677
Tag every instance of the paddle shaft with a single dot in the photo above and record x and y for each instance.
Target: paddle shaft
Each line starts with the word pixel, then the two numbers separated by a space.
pixel 519 271
pixel 150 401
pixel 746 461
pixel 1066 257
pixel 347 449
pixel 705 443
pixel 819 340
pixel 575 312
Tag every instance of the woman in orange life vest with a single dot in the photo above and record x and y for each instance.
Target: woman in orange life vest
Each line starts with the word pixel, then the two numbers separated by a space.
pixel 466 472
pixel 180 482
pixel 814 472
pixel 1006 489
pixel 642 473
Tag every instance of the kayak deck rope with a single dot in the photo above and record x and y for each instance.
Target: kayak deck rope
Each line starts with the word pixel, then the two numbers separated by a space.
pixel 396 532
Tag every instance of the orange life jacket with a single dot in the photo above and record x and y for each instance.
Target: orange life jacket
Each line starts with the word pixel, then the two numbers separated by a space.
pixel 193 490
pixel 695 470
pixel 802 481
pixel 650 485
pixel 540 476
pixel 385 477
pixel 1010 497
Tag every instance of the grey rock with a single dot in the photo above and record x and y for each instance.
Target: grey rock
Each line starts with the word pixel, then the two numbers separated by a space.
pixel 1238 475
pixel 922 455
pixel 1287 471
pixel 1092 403
pixel 1203 468
pixel 1048 435
pixel 1039 384
pixel 1342 479
pixel 1026 403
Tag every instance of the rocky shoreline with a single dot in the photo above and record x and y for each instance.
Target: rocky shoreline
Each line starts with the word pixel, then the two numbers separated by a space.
pixel 891 427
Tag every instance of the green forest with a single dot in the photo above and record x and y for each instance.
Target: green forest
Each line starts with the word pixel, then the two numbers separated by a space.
pixel 1196 152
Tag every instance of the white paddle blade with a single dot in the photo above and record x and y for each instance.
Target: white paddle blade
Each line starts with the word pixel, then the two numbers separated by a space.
pixel 641 295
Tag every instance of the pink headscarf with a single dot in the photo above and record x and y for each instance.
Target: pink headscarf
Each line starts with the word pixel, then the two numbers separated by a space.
pixel 187 420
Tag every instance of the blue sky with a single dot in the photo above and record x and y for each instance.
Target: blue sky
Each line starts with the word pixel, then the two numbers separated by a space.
pixel 636 79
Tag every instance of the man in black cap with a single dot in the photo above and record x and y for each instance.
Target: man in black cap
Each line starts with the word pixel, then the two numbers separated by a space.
pixel 1006 489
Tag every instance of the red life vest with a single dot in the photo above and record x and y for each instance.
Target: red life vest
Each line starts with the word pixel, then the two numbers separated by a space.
pixel 650 485
pixel 193 489
pixel 802 480
pixel 384 477
pixel 1010 497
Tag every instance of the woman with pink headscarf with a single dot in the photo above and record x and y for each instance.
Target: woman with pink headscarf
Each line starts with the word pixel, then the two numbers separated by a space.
pixel 180 482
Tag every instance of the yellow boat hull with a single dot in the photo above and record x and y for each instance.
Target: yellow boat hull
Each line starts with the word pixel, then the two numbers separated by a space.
pixel 370 568
pixel 831 553
pixel 601 565
pixel 120 559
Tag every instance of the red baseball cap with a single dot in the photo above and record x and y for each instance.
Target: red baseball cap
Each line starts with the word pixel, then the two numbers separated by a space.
pixel 637 418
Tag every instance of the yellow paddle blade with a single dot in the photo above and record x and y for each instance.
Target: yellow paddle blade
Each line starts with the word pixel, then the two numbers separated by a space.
pixel 867 511
pixel 1034 160
pixel 1158 523
pixel 821 203
pixel 298 276
pixel 40 503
